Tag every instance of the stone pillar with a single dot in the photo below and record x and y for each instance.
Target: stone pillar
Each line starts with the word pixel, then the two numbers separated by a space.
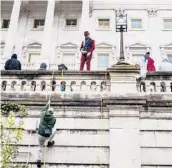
pixel 123 78
pixel 21 34
pixel 11 36
pixel 48 29
pixel 84 25
pixel 124 138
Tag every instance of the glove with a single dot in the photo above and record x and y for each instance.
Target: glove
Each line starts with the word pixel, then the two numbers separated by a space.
pixel 88 54
pixel 49 101
pixel 84 52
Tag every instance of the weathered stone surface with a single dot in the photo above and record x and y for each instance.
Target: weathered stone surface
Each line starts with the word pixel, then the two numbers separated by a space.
pixel 73 155
pixel 156 139
pixel 156 156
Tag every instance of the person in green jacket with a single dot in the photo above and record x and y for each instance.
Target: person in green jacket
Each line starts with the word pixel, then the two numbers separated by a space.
pixel 46 125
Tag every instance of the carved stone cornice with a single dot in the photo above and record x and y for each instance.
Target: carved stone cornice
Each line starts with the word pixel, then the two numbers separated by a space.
pixel 120 11
pixel 152 12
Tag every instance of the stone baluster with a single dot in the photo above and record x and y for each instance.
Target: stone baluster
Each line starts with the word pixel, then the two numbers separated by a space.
pixel 158 86
pixel 168 86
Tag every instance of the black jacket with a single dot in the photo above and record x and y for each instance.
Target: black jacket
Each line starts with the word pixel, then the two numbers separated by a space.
pixel 13 63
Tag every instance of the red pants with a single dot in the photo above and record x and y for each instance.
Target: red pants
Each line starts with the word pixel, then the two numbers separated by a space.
pixel 86 60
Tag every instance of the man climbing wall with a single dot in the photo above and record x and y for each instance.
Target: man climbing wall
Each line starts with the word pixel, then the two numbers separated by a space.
pixel 47 123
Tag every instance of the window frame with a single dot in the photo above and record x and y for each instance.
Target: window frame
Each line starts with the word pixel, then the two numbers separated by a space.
pixel 70 27
pixel 102 54
pixel 163 26
pixel 136 29
pixel 68 54
pixel 2 22
pixel 38 28
pixel 30 54
pixel 101 28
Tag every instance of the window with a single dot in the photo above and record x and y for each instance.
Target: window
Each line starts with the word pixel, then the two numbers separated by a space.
pixel 104 23
pixel 33 57
pixel 69 60
pixel 71 22
pixel 169 57
pixel 5 23
pixel 39 23
pixel 136 58
pixel 103 61
pixel 136 24
pixel 167 23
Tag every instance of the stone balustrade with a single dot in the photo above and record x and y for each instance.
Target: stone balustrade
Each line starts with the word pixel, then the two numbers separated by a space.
pixel 156 82
pixel 45 81
pixel 76 81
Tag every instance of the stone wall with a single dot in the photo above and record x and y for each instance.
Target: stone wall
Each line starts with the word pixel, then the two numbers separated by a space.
pixel 107 130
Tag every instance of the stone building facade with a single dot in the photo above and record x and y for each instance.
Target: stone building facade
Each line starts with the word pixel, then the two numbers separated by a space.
pixel 105 119
pixel 53 30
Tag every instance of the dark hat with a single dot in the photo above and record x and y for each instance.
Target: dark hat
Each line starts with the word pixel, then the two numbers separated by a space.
pixel 14 56
pixel 148 53
pixel 86 33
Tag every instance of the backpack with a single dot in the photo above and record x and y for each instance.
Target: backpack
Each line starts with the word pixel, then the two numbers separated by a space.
pixel 47 130
pixel 62 67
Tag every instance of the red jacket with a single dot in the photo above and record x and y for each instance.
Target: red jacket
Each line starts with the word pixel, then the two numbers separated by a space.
pixel 91 48
pixel 150 65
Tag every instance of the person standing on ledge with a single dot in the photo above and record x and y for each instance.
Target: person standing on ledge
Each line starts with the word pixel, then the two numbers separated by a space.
pixel 87 48
pixel 47 123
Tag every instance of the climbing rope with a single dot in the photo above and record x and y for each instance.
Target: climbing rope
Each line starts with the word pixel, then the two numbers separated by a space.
pixel 101 130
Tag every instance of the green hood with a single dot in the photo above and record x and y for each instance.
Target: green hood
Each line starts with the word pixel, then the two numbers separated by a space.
pixel 46 119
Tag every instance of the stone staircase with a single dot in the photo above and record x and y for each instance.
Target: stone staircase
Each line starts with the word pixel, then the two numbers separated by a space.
pixel 81 140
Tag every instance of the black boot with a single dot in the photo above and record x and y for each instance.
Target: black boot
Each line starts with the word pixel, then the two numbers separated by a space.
pixel 50 144
pixel 38 163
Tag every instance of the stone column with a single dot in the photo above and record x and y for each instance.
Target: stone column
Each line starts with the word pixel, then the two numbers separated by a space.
pixel 124 138
pixel 48 29
pixel 11 36
pixel 84 25
pixel 22 34
pixel 123 78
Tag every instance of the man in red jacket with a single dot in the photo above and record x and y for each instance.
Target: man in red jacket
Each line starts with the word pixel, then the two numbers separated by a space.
pixel 87 48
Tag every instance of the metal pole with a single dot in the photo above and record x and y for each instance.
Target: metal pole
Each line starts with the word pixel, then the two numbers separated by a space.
pixel 121 58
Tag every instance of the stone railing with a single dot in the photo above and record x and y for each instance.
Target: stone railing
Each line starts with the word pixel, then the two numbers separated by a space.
pixel 156 82
pixel 119 80
pixel 68 81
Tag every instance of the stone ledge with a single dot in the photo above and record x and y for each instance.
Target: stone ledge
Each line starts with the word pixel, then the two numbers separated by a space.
pixel 50 72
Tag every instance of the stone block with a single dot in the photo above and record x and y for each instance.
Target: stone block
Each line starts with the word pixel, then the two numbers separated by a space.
pixel 155 124
pixel 124 148
pixel 72 155
pixel 124 123
pixel 156 156
pixel 71 138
